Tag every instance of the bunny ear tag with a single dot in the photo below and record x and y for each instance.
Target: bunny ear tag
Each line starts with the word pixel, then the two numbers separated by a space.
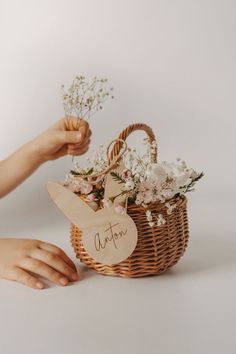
pixel 107 236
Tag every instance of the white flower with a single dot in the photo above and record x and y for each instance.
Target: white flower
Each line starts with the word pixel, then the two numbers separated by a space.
pixel 84 97
pixel 73 188
pixel 151 224
pixel 148 197
pixel 98 160
pixel 193 173
pixel 107 203
pixel 136 167
pixel 168 193
pixel 137 177
pixel 145 193
pixel 160 220
pixel 170 208
pixel 139 198
pixel 183 180
pixel 178 173
pixel 156 172
pixel 73 185
pixel 145 186
pixel 129 185
pixel 149 215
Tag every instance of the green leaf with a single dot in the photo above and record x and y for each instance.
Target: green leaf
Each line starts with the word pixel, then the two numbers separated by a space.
pixel 74 173
pixel 90 170
pixel 117 177
pixel 87 173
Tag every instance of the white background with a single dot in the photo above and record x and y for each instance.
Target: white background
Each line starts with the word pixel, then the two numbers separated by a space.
pixel 172 64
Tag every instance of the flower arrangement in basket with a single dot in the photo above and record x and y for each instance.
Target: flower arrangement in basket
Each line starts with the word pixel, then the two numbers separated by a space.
pixel 128 211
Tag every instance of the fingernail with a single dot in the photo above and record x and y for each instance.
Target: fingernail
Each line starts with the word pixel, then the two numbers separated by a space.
pixel 63 281
pixel 78 136
pixel 74 276
pixel 39 285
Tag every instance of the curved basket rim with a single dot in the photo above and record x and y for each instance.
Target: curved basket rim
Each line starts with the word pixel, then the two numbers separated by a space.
pixel 178 200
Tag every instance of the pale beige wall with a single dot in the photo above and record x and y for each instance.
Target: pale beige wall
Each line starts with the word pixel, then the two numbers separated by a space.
pixel 172 64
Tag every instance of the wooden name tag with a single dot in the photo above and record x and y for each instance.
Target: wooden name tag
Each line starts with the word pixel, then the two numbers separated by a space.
pixel 108 237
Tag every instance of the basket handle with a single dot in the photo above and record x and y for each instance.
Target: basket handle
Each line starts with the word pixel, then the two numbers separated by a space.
pixel 126 132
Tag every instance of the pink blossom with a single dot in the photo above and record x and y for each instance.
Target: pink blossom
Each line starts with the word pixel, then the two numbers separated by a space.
pixel 147 197
pixel 90 179
pixel 73 187
pixel 126 174
pixel 139 198
pixel 158 186
pixel 107 203
pixel 86 187
pixel 145 193
pixel 144 186
pixel 120 209
pixel 91 197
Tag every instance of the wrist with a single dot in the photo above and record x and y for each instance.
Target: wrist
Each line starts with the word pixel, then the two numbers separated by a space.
pixel 32 153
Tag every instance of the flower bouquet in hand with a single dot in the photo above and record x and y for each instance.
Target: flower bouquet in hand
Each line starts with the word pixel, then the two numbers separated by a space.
pixel 84 97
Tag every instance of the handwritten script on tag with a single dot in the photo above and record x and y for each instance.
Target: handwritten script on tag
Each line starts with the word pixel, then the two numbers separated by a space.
pixel 110 240
pixel 113 236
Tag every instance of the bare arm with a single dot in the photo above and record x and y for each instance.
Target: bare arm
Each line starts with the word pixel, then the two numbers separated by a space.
pixel 57 141
pixel 17 167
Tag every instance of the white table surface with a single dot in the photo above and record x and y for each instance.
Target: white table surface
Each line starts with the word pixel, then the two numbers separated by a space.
pixel 190 309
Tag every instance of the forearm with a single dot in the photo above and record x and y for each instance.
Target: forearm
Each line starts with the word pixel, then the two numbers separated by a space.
pixel 61 139
pixel 17 167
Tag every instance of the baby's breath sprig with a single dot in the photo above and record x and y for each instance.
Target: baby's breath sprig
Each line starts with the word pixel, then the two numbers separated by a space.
pixel 85 97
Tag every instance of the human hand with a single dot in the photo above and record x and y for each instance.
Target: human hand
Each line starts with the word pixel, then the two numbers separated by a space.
pixel 68 136
pixel 23 260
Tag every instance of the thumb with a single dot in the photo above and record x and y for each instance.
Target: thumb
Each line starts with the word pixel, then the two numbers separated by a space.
pixel 70 137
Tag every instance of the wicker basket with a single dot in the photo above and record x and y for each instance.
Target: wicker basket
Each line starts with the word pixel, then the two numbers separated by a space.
pixel 158 248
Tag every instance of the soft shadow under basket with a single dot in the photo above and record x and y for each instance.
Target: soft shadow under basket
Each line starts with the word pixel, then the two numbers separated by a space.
pixel 158 248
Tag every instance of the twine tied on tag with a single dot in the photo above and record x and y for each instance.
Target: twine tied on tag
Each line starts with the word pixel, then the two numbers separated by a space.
pixel 96 177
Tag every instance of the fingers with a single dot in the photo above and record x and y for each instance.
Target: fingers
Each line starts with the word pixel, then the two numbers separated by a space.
pixel 55 262
pixel 79 145
pixel 48 261
pixel 42 269
pixel 75 124
pixel 25 278
pixel 74 140
pixel 58 251
pixel 78 150
pixel 70 123
pixel 84 131
pixel 74 134
pixel 85 140
pixel 68 137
